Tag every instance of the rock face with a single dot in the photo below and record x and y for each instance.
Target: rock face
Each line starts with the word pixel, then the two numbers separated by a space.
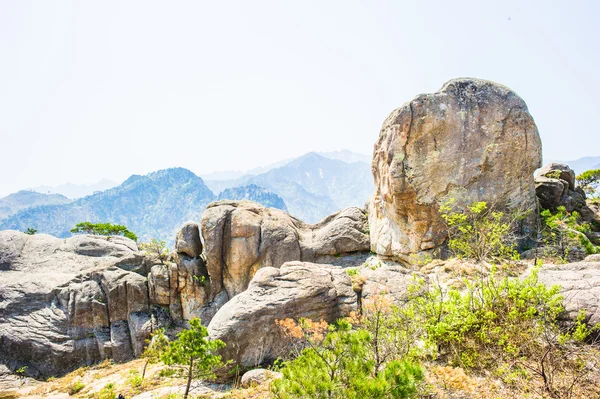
pixel 580 283
pixel 555 186
pixel 297 289
pixel 242 237
pixel 473 140
pixel 65 303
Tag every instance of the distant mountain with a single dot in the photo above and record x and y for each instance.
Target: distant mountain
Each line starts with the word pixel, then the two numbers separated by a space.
pixel 580 165
pixel 254 193
pixel 152 206
pixel 347 156
pixel 76 190
pixel 24 199
pixel 220 180
pixel 314 186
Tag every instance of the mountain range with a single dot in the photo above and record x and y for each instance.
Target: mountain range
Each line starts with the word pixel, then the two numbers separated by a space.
pixel 24 199
pixel 310 187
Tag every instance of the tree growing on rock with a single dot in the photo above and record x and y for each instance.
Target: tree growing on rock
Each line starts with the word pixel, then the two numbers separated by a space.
pixel 103 229
pixel 157 249
pixel 589 181
pixel 194 352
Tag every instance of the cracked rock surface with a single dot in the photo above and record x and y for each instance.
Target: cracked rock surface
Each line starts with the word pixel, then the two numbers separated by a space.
pixel 473 140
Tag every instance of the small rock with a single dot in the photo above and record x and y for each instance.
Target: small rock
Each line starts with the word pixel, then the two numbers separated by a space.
pixel 258 377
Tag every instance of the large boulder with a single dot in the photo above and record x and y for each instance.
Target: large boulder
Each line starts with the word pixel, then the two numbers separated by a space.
pixel 242 237
pixel 65 303
pixel 473 140
pixel 298 289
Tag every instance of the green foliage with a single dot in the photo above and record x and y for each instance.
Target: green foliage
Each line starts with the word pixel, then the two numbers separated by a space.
pixel 30 231
pixel 195 352
pixel 479 233
pixel 76 387
pixel 135 380
pixel 156 348
pixel 156 248
pixel 564 230
pixel 108 392
pixel 589 181
pixel 21 371
pixel 494 319
pixel 103 229
pixel 339 366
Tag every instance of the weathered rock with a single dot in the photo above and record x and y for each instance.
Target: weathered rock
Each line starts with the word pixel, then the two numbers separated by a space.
pixel 550 191
pixel 559 171
pixel 188 240
pixel 65 304
pixel 391 281
pixel 593 258
pixel 258 377
pixel 298 289
pixel 159 286
pixel 473 140
pixel 242 237
pixel 580 286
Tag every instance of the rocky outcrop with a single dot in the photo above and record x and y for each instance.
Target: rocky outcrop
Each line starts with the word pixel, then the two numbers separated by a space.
pixel 297 289
pixel 65 303
pixel 473 140
pixel 242 237
pixel 580 286
pixel 555 187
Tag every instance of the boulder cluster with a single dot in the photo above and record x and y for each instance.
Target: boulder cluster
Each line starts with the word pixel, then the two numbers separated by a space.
pixel 65 303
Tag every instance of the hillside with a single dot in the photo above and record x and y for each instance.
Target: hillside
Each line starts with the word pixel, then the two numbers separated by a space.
pixel 151 206
pixel 313 186
pixel 24 199
pixel 254 193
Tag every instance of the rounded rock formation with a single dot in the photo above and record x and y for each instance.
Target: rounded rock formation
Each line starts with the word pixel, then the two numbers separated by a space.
pixel 473 140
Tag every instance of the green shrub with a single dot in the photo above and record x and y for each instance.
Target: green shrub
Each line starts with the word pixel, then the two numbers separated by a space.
pixel 108 392
pixel 76 387
pixel 562 231
pixel 30 231
pixel 477 232
pixel 508 327
pixel 339 366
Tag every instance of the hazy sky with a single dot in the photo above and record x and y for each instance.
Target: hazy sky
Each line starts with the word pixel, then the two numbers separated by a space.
pixel 105 89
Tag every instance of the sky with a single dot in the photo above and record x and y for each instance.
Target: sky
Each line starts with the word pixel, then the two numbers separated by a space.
pixel 92 90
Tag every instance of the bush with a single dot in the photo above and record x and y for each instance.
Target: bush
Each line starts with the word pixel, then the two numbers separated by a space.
pixel 338 365
pixel 509 327
pixel 30 231
pixel 103 229
pixel 477 232
pixel 76 387
pixel 563 231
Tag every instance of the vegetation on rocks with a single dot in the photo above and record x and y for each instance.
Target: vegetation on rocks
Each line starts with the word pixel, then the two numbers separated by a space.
pixel 589 181
pixel 564 231
pixel 478 232
pixel 339 362
pixel 103 229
